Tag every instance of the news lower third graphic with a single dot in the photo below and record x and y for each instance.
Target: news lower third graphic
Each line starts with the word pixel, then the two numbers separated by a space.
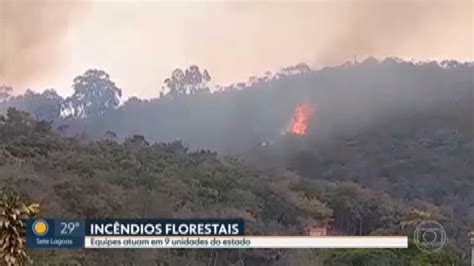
pixel 51 233
pixel 181 233
pixel 176 233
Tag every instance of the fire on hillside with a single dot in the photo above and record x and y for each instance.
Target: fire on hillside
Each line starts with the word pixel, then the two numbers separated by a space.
pixel 300 119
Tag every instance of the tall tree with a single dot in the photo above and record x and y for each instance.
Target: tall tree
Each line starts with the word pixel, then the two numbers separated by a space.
pixel 5 92
pixel 42 106
pixel 190 81
pixel 94 95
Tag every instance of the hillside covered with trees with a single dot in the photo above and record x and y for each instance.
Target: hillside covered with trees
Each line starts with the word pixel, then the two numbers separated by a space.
pixel 390 144
pixel 73 178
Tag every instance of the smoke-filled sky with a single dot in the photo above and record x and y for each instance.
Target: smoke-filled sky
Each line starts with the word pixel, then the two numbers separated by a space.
pixel 46 43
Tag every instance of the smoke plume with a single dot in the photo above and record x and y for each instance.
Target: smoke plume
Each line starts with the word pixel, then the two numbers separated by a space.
pixel 46 43
pixel 31 37
pixel 404 29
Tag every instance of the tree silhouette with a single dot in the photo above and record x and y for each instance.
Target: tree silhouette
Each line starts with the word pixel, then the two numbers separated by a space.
pixel 5 92
pixel 110 135
pixel 191 81
pixel 41 106
pixel 94 95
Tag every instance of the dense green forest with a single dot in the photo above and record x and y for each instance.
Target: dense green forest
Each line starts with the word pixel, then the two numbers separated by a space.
pixel 391 144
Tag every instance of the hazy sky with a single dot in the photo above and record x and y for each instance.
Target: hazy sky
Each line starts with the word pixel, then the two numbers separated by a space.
pixel 46 43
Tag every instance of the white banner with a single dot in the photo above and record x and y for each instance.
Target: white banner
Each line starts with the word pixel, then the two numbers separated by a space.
pixel 246 242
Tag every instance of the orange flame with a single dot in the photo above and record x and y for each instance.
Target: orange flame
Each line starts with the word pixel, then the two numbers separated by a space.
pixel 300 119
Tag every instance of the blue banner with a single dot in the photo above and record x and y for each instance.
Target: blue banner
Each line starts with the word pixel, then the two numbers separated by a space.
pixel 52 233
pixel 67 233
pixel 165 227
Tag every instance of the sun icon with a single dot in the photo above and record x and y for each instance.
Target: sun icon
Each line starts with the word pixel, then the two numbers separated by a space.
pixel 40 227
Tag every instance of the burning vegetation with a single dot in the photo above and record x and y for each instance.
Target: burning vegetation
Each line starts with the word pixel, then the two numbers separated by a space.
pixel 300 119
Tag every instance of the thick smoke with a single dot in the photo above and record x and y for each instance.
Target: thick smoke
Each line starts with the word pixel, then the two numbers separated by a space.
pixel 31 37
pixel 46 44
pixel 399 28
